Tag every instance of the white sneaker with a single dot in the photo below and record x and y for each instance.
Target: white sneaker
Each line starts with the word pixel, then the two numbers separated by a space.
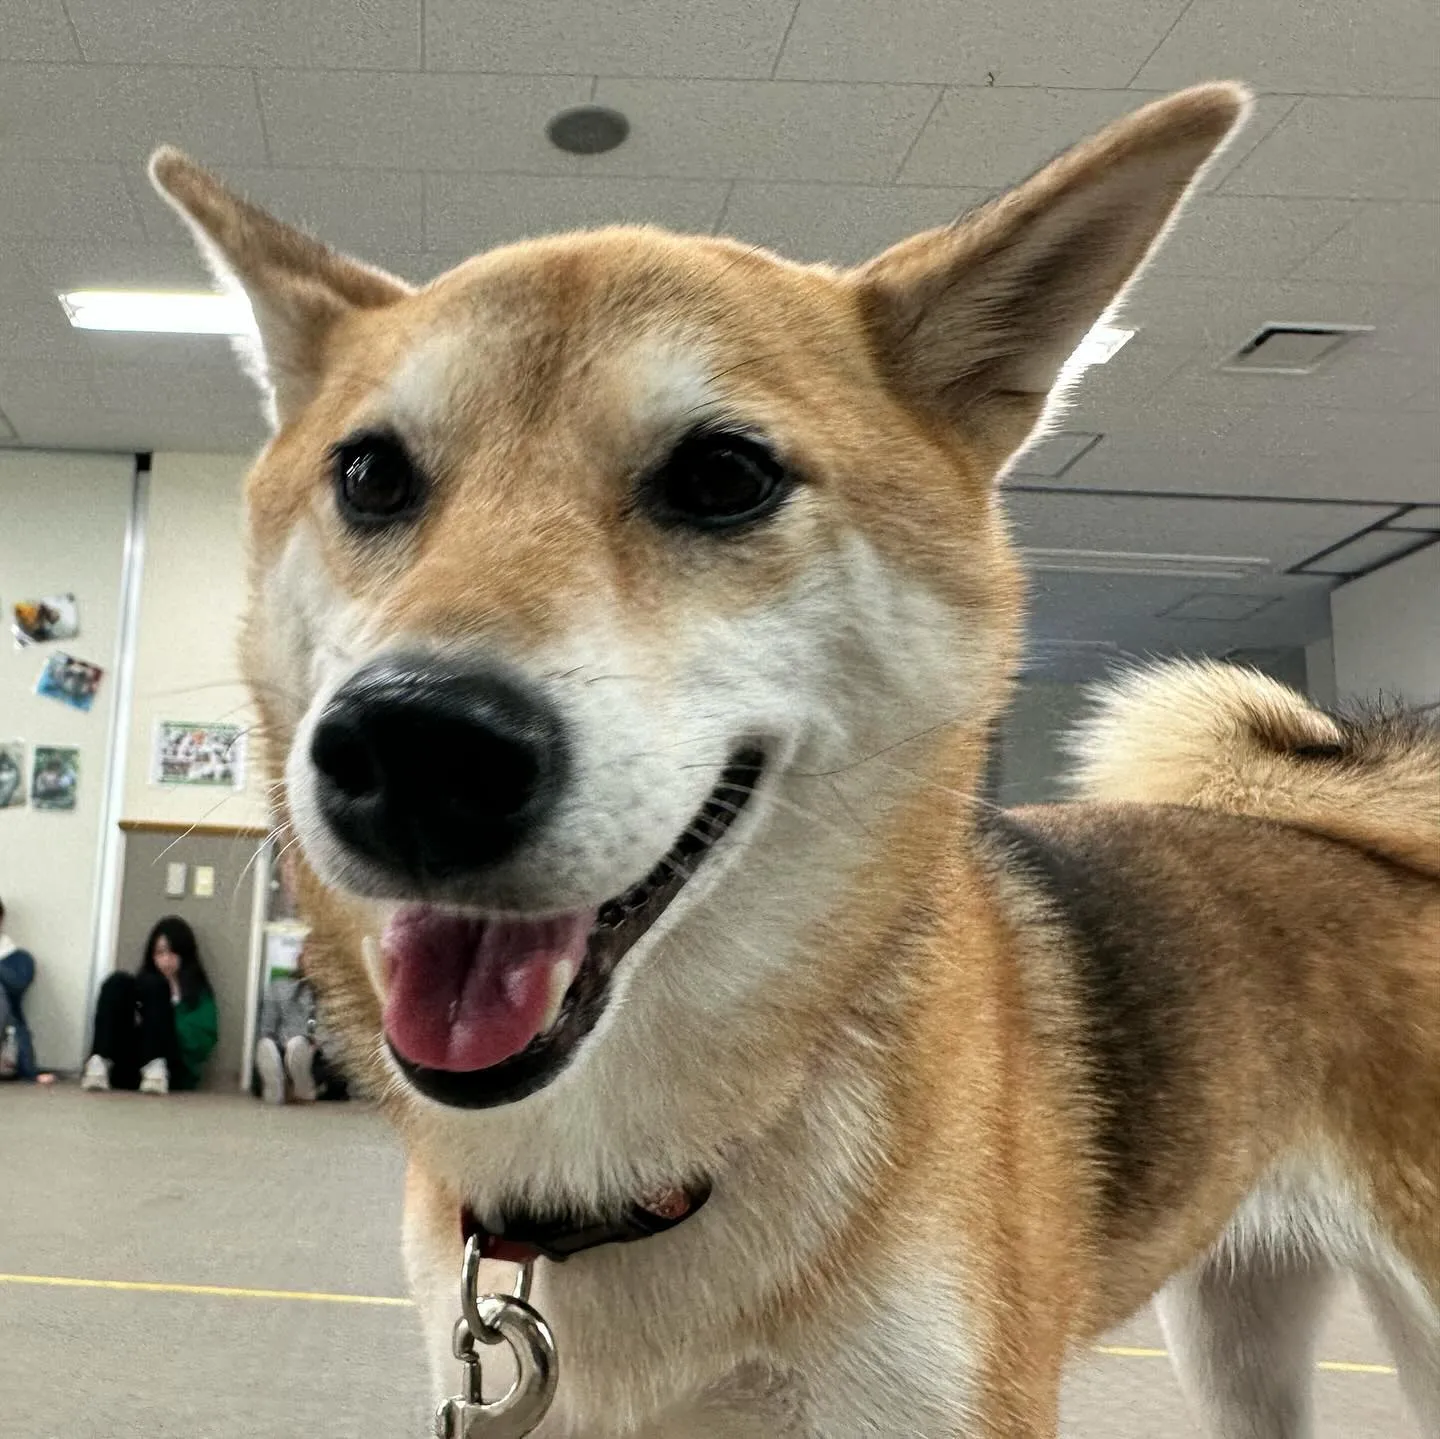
pixel 300 1066
pixel 155 1078
pixel 271 1069
pixel 97 1074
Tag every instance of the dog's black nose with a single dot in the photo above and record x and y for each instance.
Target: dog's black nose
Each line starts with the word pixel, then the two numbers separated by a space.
pixel 436 769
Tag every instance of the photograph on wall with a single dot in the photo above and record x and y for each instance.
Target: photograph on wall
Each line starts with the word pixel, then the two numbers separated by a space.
pixel 56 617
pixel 12 774
pixel 200 755
pixel 56 779
pixel 70 680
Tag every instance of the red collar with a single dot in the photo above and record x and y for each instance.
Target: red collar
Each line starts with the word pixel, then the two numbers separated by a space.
pixel 521 1238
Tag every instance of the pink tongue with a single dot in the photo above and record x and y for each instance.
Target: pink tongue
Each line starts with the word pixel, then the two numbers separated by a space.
pixel 467 993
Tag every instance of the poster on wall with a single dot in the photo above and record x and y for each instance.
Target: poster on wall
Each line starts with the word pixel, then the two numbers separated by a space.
pixel 37 622
pixel 56 781
pixel 70 680
pixel 12 774
pixel 205 756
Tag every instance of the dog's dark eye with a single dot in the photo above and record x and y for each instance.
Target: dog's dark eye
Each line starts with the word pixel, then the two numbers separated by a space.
pixel 716 481
pixel 376 482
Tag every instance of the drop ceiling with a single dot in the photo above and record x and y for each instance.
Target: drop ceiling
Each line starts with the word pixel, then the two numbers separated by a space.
pixel 412 132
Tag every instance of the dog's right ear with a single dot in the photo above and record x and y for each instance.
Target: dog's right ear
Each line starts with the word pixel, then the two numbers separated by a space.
pixel 298 288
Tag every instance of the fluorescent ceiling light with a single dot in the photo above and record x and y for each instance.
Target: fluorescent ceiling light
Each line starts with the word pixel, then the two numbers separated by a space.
pixel 159 312
pixel 1099 347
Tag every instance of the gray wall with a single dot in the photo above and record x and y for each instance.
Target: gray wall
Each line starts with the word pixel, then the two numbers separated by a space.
pixel 221 924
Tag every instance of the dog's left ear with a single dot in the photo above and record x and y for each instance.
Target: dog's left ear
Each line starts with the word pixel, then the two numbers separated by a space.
pixel 298 288
pixel 973 323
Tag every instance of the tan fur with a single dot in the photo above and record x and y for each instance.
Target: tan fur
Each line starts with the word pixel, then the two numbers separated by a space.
pixel 959 1115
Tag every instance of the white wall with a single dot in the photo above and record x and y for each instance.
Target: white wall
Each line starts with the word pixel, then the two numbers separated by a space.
pixel 1040 715
pixel 63 527
pixel 1387 631
pixel 186 661
pixel 1320 672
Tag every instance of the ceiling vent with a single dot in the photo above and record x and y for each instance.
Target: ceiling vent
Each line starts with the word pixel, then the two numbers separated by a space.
pixel 1155 566
pixel 1291 349
pixel 1218 608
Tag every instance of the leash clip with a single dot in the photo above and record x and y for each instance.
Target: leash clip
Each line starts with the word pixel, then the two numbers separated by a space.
pixel 499 1319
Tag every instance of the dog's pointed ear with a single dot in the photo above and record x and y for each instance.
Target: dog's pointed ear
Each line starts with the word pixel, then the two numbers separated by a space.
pixel 298 288
pixel 973 323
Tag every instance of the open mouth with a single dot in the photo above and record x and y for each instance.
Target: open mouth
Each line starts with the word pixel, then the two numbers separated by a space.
pixel 484 1010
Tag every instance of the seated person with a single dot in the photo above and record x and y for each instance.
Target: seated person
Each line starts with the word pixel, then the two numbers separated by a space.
pixel 17 971
pixel 289 1053
pixel 154 1030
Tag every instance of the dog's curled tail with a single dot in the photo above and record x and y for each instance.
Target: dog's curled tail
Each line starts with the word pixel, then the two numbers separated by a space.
pixel 1220 737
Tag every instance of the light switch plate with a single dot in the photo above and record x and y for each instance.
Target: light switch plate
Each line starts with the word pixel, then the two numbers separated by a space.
pixel 204 881
pixel 174 881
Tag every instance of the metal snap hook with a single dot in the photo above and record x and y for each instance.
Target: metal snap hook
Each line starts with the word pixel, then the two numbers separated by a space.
pixel 500 1319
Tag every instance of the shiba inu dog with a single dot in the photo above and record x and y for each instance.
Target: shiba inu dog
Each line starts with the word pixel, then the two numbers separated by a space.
pixel 629 615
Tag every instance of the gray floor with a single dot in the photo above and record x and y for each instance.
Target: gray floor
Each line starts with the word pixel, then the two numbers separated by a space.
pixel 212 1190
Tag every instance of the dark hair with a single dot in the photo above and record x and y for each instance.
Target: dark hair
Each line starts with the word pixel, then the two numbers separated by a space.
pixel 180 937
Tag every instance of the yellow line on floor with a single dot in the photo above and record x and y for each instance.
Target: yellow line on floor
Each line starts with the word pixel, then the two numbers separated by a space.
pixel 1330 1366
pixel 217 1291
pixel 380 1301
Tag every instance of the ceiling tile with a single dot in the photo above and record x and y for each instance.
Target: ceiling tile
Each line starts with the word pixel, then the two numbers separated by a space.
pixel 1169 469
pixel 763 130
pixel 127 430
pixel 8 435
pixel 1076 608
pixel 984 41
pixel 150 354
pixel 1427 398
pixel 1255 236
pixel 117 112
pixel 1427 518
pixel 721 39
pixel 33 327
pixel 1363 375
pixel 319 34
pixel 1051 455
pixel 841 224
pixel 997 137
pixel 1336 46
pixel 400 121
pixel 36 30
pixel 474 212
pixel 1348 148
pixel 1385 244
pixel 1279 531
pixel 359 211
pixel 1220 315
pixel 77 265
pixel 1108 394
pixel 214 390
pixel 32 386
pixel 45 199
pixel 1368 552
pixel 1267 113
pixel 1353 437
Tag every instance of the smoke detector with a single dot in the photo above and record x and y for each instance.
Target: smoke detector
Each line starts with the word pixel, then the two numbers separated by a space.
pixel 1283 348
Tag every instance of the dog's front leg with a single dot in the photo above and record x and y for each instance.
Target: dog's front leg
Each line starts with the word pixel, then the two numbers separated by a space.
pixel 906 1360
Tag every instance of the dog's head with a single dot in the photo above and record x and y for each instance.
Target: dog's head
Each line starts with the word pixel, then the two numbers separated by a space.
pixel 573 567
